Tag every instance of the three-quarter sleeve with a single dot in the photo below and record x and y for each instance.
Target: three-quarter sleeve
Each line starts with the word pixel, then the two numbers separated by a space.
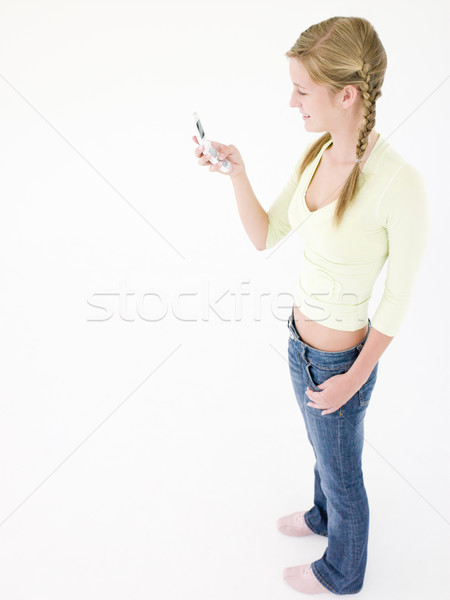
pixel 404 211
pixel 277 214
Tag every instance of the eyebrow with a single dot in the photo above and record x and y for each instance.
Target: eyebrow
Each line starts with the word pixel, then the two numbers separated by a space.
pixel 298 85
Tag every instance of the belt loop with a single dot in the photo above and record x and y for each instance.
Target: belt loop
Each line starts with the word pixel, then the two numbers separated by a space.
pixel 303 352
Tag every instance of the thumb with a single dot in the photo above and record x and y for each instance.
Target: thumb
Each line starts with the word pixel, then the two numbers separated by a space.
pixel 221 148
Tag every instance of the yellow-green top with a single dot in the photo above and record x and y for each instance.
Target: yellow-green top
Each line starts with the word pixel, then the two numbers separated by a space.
pixel 388 218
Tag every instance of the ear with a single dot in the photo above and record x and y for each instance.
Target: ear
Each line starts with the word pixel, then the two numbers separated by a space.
pixel 349 95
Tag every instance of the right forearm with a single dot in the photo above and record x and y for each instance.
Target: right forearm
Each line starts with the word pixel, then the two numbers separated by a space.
pixel 253 216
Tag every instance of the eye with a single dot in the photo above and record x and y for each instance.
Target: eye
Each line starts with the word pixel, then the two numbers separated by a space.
pixel 301 93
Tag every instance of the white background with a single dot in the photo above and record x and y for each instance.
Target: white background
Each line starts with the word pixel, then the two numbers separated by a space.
pixel 147 449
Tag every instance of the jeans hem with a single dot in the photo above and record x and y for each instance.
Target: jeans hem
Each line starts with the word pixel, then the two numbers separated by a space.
pixel 328 586
pixel 312 528
pixel 320 578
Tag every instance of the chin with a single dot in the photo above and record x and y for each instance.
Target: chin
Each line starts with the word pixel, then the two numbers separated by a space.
pixel 309 126
pixel 314 128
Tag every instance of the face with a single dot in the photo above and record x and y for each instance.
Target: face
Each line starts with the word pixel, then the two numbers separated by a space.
pixel 324 111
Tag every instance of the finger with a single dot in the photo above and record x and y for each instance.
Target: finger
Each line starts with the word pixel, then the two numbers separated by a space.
pixel 310 393
pixel 314 405
pixel 320 402
pixel 199 150
pixel 218 146
pixel 313 394
pixel 328 412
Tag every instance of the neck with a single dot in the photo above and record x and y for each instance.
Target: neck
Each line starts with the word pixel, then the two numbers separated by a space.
pixel 343 149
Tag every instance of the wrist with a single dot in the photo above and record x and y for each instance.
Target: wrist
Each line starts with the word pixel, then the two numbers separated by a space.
pixel 356 377
pixel 242 175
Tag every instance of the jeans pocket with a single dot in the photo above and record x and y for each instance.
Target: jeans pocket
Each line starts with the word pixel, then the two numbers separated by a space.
pixel 318 375
pixel 365 392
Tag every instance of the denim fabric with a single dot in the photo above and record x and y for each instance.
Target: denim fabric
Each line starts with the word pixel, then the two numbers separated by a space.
pixel 341 508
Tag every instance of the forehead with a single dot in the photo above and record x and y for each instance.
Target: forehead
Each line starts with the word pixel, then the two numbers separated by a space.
pixel 298 73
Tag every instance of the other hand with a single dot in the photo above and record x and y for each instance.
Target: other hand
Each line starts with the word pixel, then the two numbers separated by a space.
pixel 334 393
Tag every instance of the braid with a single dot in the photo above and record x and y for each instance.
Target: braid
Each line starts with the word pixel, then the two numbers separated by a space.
pixel 369 97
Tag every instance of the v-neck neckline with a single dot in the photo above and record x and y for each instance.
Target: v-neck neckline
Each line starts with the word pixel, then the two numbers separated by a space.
pixel 317 161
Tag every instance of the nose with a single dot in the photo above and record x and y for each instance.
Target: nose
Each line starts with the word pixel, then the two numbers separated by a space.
pixel 293 101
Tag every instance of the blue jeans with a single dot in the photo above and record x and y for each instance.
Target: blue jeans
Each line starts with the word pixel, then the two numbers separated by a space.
pixel 341 507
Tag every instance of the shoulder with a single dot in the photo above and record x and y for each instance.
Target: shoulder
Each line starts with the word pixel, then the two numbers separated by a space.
pixel 399 185
pixel 386 163
pixel 405 196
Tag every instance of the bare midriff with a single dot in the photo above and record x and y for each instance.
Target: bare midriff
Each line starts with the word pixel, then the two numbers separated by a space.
pixel 324 338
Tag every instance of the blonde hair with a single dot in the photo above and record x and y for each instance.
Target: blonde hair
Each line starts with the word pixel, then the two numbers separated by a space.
pixel 337 52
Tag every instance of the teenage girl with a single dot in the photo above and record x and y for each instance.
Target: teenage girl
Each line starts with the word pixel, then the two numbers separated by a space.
pixel 356 202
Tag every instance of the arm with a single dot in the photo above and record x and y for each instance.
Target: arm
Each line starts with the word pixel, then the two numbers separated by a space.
pixel 278 221
pixel 403 210
pixel 265 229
pixel 253 216
pixel 372 351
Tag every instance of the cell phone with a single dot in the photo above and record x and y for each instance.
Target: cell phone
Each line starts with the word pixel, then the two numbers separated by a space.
pixel 207 148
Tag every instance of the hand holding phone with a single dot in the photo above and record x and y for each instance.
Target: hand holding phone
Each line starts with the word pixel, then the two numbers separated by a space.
pixel 229 152
pixel 208 148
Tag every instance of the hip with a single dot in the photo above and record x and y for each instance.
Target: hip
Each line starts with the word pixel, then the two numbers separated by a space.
pixel 325 338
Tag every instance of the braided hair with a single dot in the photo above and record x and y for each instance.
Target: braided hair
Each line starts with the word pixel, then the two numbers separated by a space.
pixel 370 95
pixel 337 52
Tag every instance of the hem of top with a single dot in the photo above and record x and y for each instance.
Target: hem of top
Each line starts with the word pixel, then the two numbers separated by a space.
pixel 336 353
